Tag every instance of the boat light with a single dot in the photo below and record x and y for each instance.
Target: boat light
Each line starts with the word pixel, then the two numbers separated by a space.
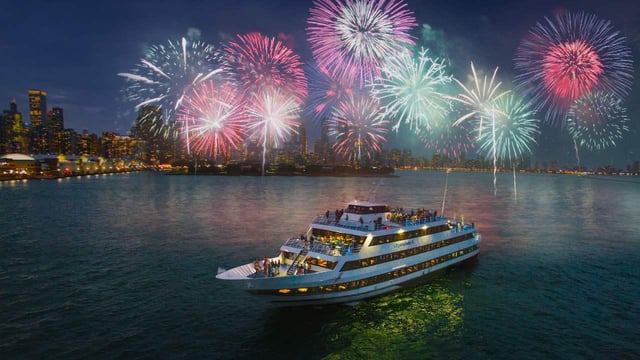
pixel 302 290
pixel 284 291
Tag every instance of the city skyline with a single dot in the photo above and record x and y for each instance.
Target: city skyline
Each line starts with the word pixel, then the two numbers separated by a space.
pixel 77 59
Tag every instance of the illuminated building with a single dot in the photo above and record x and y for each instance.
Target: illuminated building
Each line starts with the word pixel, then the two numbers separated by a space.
pixel 55 128
pixel 37 107
pixel 12 131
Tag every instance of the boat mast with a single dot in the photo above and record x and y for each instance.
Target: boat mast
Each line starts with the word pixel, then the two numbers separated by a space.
pixel 444 196
pixel 373 191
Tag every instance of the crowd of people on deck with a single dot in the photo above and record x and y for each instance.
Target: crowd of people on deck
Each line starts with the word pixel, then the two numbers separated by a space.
pixel 267 266
pixel 338 213
pixel 399 216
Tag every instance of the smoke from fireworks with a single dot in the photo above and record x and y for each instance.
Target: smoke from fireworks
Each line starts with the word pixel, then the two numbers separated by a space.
pixel 358 127
pixel 411 89
pixel 351 38
pixel 597 121
pixel 212 120
pixel 166 73
pixel 568 56
pixel 258 62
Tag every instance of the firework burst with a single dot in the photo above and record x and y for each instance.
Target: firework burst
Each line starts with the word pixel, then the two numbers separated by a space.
pixel 568 56
pixel 325 93
pixel 358 127
pixel 412 89
pixel 258 62
pixel 212 120
pixel 165 75
pixel 597 121
pixel 512 130
pixel 273 116
pixel 351 38
pixel 478 98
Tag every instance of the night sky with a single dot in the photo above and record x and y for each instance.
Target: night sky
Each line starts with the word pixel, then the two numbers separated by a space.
pixel 74 49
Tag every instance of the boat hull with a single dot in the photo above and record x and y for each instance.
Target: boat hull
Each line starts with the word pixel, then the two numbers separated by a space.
pixel 269 290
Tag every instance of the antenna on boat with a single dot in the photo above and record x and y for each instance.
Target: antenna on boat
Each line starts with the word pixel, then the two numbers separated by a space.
pixel 444 196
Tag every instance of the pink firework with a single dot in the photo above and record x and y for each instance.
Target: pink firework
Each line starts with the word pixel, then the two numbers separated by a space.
pixel 352 38
pixel 212 119
pixel 258 62
pixel 571 70
pixel 569 56
pixel 359 127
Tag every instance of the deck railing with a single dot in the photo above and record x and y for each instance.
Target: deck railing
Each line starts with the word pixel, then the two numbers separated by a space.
pixel 318 247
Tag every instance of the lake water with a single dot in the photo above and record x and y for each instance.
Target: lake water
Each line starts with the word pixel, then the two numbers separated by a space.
pixel 123 266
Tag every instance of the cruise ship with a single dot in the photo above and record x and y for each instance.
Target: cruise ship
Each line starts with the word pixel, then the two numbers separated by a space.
pixel 364 250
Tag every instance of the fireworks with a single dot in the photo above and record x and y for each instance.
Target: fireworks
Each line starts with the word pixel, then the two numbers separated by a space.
pixel 510 129
pixel 597 120
pixel 274 117
pixel 166 73
pixel 258 63
pixel 479 98
pixel 212 120
pixel 569 56
pixel 411 89
pixel 358 127
pixel 351 38
pixel 325 93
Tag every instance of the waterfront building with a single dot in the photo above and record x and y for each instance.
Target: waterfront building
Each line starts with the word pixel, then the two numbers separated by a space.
pixel 17 166
pixel 115 146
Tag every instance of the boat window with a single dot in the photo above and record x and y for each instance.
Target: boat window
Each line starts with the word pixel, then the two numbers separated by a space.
pixel 360 263
pixel 379 240
pixel 362 210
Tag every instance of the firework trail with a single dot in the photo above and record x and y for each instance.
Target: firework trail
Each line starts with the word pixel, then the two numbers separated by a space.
pixel 166 73
pixel 351 38
pixel 511 132
pixel 273 116
pixel 478 98
pixel 597 121
pixel 411 89
pixel 568 56
pixel 358 127
pixel 453 141
pixel 325 93
pixel 212 119
pixel 258 63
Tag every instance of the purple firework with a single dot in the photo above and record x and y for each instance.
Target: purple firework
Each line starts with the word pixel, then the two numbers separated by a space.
pixel 359 127
pixel 351 38
pixel 258 63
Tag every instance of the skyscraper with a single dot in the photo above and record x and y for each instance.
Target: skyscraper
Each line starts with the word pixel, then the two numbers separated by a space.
pixel 37 108
pixel 12 136
pixel 55 129
pixel 56 119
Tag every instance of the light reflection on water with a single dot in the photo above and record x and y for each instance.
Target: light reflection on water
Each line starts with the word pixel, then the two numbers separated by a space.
pixel 124 266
